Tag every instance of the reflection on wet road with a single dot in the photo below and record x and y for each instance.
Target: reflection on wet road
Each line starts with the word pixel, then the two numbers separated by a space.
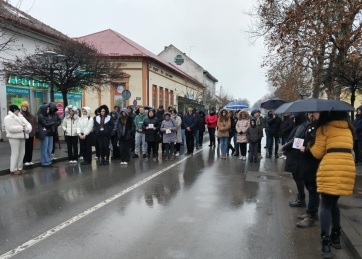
pixel 192 207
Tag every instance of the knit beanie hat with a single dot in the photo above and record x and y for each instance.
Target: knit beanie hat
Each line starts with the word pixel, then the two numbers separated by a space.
pixel 13 108
pixel 25 103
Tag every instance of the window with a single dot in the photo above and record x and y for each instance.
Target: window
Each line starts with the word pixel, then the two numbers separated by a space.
pixel 161 99
pixel 154 96
pixel 167 98
pixel 171 98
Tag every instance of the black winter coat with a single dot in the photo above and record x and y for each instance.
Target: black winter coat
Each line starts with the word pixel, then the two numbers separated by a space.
pixel 254 134
pixel 286 126
pixel 124 131
pixel 201 123
pixel 358 127
pixel 109 129
pixel 308 164
pixel 274 127
pixel 150 134
pixel 293 155
pixel 48 121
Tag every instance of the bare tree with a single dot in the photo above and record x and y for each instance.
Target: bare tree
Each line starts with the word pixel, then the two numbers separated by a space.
pixel 77 66
pixel 315 34
pixel 8 36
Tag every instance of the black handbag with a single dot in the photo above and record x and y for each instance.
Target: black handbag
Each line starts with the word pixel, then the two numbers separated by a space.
pixel 41 133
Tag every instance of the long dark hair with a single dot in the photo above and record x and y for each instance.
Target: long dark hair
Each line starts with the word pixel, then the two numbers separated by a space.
pixel 328 116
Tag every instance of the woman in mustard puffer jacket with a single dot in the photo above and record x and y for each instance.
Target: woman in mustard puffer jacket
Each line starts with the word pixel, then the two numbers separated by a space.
pixel 336 173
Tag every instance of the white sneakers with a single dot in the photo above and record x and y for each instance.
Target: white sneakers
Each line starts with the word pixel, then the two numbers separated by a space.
pixel 177 153
pixel 54 157
pixel 28 163
pixel 283 157
pixel 73 162
pixel 123 163
pixel 242 157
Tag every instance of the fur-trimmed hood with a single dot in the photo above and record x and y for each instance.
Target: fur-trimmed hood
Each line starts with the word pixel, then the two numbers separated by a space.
pixel 220 113
pixel 87 109
pixel 105 107
pixel 243 112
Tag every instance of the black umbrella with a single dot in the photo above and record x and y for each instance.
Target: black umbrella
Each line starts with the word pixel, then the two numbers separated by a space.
pixel 318 105
pixel 282 108
pixel 272 103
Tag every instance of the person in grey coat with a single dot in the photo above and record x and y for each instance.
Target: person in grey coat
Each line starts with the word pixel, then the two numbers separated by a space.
pixel 169 130
pixel 253 133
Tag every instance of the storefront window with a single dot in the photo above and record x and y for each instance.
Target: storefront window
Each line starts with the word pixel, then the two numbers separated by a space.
pixel 74 99
pixel 39 99
pixel 17 95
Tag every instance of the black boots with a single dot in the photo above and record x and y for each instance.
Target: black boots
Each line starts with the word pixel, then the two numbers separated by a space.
pixel 299 202
pixel 269 154
pixel 335 240
pixel 326 249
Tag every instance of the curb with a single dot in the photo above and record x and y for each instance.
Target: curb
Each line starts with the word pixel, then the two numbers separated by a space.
pixel 37 164
pixel 351 237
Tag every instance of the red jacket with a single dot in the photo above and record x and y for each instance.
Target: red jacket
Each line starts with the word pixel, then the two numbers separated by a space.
pixel 211 120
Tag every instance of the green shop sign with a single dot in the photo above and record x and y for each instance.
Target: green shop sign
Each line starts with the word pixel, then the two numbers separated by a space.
pixel 70 96
pixel 16 80
pixel 16 90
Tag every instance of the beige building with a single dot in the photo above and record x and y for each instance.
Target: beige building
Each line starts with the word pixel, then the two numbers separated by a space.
pixel 147 79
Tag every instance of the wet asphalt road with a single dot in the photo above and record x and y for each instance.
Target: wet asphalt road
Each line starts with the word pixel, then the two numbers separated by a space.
pixel 199 207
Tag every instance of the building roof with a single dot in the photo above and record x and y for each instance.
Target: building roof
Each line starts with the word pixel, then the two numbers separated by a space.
pixel 206 73
pixel 15 17
pixel 113 44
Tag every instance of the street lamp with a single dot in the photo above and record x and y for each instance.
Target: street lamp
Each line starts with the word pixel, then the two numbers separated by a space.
pixel 52 61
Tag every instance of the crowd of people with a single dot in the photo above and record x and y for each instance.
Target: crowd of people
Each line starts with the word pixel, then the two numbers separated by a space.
pixel 324 164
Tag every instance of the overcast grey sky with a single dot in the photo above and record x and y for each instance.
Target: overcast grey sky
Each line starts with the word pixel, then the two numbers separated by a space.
pixel 209 31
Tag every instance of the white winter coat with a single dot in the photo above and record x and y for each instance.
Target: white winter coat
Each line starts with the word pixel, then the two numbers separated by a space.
pixel 70 125
pixel 85 123
pixel 14 126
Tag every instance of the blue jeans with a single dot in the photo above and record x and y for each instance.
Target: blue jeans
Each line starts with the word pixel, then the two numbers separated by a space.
pixel 224 141
pixel 140 137
pixel 46 147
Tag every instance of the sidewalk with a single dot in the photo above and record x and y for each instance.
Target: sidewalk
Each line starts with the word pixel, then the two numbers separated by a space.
pixel 5 155
pixel 350 206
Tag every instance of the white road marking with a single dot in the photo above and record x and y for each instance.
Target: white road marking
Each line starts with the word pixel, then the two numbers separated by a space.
pixel 81 215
